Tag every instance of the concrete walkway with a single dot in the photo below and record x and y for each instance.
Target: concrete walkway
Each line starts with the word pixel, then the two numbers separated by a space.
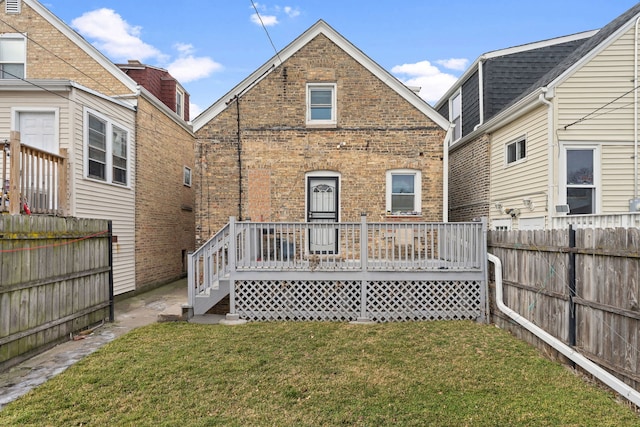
pixel 162 303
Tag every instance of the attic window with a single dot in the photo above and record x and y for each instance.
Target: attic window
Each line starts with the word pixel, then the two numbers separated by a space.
pixel 321 104
pixel 12 6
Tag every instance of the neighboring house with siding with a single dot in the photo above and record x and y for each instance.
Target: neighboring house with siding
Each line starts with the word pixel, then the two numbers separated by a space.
pixel 320 132
pixel 493 81
pixel 569 141
pixel 127 152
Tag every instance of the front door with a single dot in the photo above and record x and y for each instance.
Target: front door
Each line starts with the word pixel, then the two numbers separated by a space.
pixel 323 208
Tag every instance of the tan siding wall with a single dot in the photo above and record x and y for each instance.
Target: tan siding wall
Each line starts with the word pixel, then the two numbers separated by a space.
pixel 591 93
pixel 93 199
pixel 525 179
pixel 165 208
pixel 617 177
pixel 380 130
pixel 61 59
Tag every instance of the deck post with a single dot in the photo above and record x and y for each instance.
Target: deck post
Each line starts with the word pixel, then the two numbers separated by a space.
pixel 364 256
pixel 232 318
pixel 187 309
pixel 14 174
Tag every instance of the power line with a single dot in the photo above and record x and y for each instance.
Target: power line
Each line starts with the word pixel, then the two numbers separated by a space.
pixel 265 30
pixel 593 114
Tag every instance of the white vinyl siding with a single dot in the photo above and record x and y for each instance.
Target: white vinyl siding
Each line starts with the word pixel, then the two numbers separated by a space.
pixel 94 199
pixel 511 183
pixel 588 97
pixel 616 162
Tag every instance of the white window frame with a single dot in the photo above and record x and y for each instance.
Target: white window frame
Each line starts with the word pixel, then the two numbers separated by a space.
pixel 186 176
pixel 334 108
pixel 23 60
pixel 15 122
pixel 457 120
pixel 109 124
pixel 417 194
pixel 597 184
pixel 519 156
pixel 180 103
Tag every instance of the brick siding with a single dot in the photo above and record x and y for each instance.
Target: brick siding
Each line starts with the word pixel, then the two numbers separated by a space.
pixel 377 130
pixel 469 174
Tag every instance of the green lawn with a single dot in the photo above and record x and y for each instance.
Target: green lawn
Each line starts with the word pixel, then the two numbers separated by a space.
pixel 318 374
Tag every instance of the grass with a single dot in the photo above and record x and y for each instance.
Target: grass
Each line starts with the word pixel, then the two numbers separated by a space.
pixel 318 374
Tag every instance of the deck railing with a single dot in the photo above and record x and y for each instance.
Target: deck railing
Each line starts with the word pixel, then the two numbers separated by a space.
pixel 620 220
pixel 33 181
pixel 279 254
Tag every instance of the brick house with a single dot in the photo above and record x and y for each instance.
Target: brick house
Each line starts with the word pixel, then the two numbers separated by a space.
pixel 129 156
pixel 320 133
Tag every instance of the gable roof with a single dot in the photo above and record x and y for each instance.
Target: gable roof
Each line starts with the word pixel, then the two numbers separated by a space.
pixel 607 35
pixel 87 47
pixel 537 58
pixel 321 27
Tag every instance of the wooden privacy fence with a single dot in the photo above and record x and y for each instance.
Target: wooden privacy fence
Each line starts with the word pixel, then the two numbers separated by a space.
pixel 55 278
pixel 582 286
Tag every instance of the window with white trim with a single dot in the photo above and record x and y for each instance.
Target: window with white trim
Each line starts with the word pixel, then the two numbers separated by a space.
pixel 580 180
pixel 13 56
pixel 455 115
pixel 404 192
pixel 516 150
pixel 187 176
pixel 179 103
pixel 321 104
pixel 107 150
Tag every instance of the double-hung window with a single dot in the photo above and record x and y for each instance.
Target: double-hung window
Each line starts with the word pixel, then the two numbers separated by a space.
pixel 404 192
pixel 516 150
pixel 321 104
pixel 580 180
pixel 455 115
pixel 107 148
pixel 13 54
pixel 179 103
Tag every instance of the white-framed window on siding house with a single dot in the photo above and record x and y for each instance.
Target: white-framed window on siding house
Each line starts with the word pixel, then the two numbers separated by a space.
pixel 321 104
pixel 404 192
pixel 107 150
pixel 13 56
pixel 580 178
pixel 516 151
pixel 455 115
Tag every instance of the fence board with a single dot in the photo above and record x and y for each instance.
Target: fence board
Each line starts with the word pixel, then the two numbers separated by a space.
pixel 607 290
pixel 55 280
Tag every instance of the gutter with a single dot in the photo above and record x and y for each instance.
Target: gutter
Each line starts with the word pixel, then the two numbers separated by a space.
pixel 616 384
pixel 544 98
pixel 445 173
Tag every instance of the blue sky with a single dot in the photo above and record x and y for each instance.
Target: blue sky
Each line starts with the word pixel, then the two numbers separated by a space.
pixel 211 45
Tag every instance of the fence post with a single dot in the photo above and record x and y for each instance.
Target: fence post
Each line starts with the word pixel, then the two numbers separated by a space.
pixel 572 286
pixel 14 174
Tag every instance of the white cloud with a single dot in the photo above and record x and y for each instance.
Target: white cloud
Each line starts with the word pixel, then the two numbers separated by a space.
pixel 458 64
pixel 194 110
pixel 267 20
pixel 114 36
pixel 432 81
pixel 189 68
pixel 291 12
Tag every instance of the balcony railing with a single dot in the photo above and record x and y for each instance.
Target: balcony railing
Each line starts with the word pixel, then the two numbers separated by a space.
pixel 620 220
pixel 33 181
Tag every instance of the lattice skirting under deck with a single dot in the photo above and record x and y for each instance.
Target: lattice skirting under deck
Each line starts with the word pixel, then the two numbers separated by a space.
pixel 341 300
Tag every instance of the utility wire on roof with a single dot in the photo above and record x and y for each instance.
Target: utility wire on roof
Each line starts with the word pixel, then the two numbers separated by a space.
pixel 52 53
pixel 265 30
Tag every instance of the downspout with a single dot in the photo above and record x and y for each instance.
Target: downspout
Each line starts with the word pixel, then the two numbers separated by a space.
pixel 237 98
pixel 445 173
pixel 617 385
pixel 550 165
pixel 635 113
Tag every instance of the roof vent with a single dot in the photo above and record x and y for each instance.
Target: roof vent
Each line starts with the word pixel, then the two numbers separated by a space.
pixel 12 6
